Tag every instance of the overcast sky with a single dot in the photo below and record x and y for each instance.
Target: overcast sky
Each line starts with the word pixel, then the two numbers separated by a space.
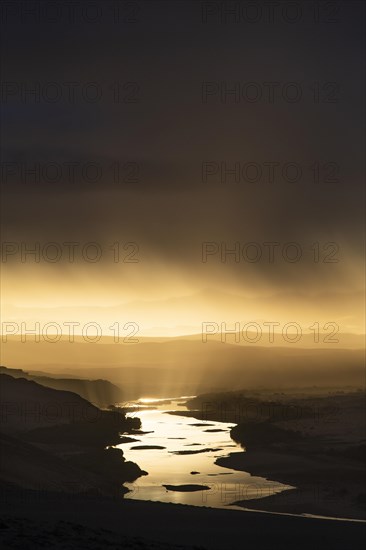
pixel 198 126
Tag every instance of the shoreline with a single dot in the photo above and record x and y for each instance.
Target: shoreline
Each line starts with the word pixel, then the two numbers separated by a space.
pixel 318 491
pixel 313 494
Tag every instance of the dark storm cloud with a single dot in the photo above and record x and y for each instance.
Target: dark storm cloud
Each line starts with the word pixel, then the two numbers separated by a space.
pixel 161 131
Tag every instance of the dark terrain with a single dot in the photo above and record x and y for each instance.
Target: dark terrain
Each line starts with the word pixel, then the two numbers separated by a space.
pixel 313 440
pixel 62 484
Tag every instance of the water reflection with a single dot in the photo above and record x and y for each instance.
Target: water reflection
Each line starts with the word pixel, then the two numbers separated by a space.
pixel 184 453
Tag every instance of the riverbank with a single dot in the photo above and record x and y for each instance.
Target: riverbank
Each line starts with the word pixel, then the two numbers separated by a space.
pixel 323 487
pixel 314 443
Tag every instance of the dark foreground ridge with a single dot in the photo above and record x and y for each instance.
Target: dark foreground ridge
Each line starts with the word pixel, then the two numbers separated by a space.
pixel 63 535
pixel 193 527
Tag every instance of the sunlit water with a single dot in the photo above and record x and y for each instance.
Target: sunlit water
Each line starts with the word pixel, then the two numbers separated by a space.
pixel 177 433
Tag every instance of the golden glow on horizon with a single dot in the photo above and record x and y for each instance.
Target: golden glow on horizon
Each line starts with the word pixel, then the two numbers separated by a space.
pixel 175 300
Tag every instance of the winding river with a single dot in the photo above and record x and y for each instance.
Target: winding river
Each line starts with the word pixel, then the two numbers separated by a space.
pixel 179 450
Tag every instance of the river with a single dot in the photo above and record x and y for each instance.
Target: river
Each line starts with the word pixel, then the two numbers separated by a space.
pixel 182 434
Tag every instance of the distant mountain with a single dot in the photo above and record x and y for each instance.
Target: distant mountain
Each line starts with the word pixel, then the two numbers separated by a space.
pixel 100 392
pixel 188 367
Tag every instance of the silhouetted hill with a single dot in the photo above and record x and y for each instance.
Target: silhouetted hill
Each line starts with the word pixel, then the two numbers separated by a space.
pixel 56 440
pixel 26 405
pixel 99 392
